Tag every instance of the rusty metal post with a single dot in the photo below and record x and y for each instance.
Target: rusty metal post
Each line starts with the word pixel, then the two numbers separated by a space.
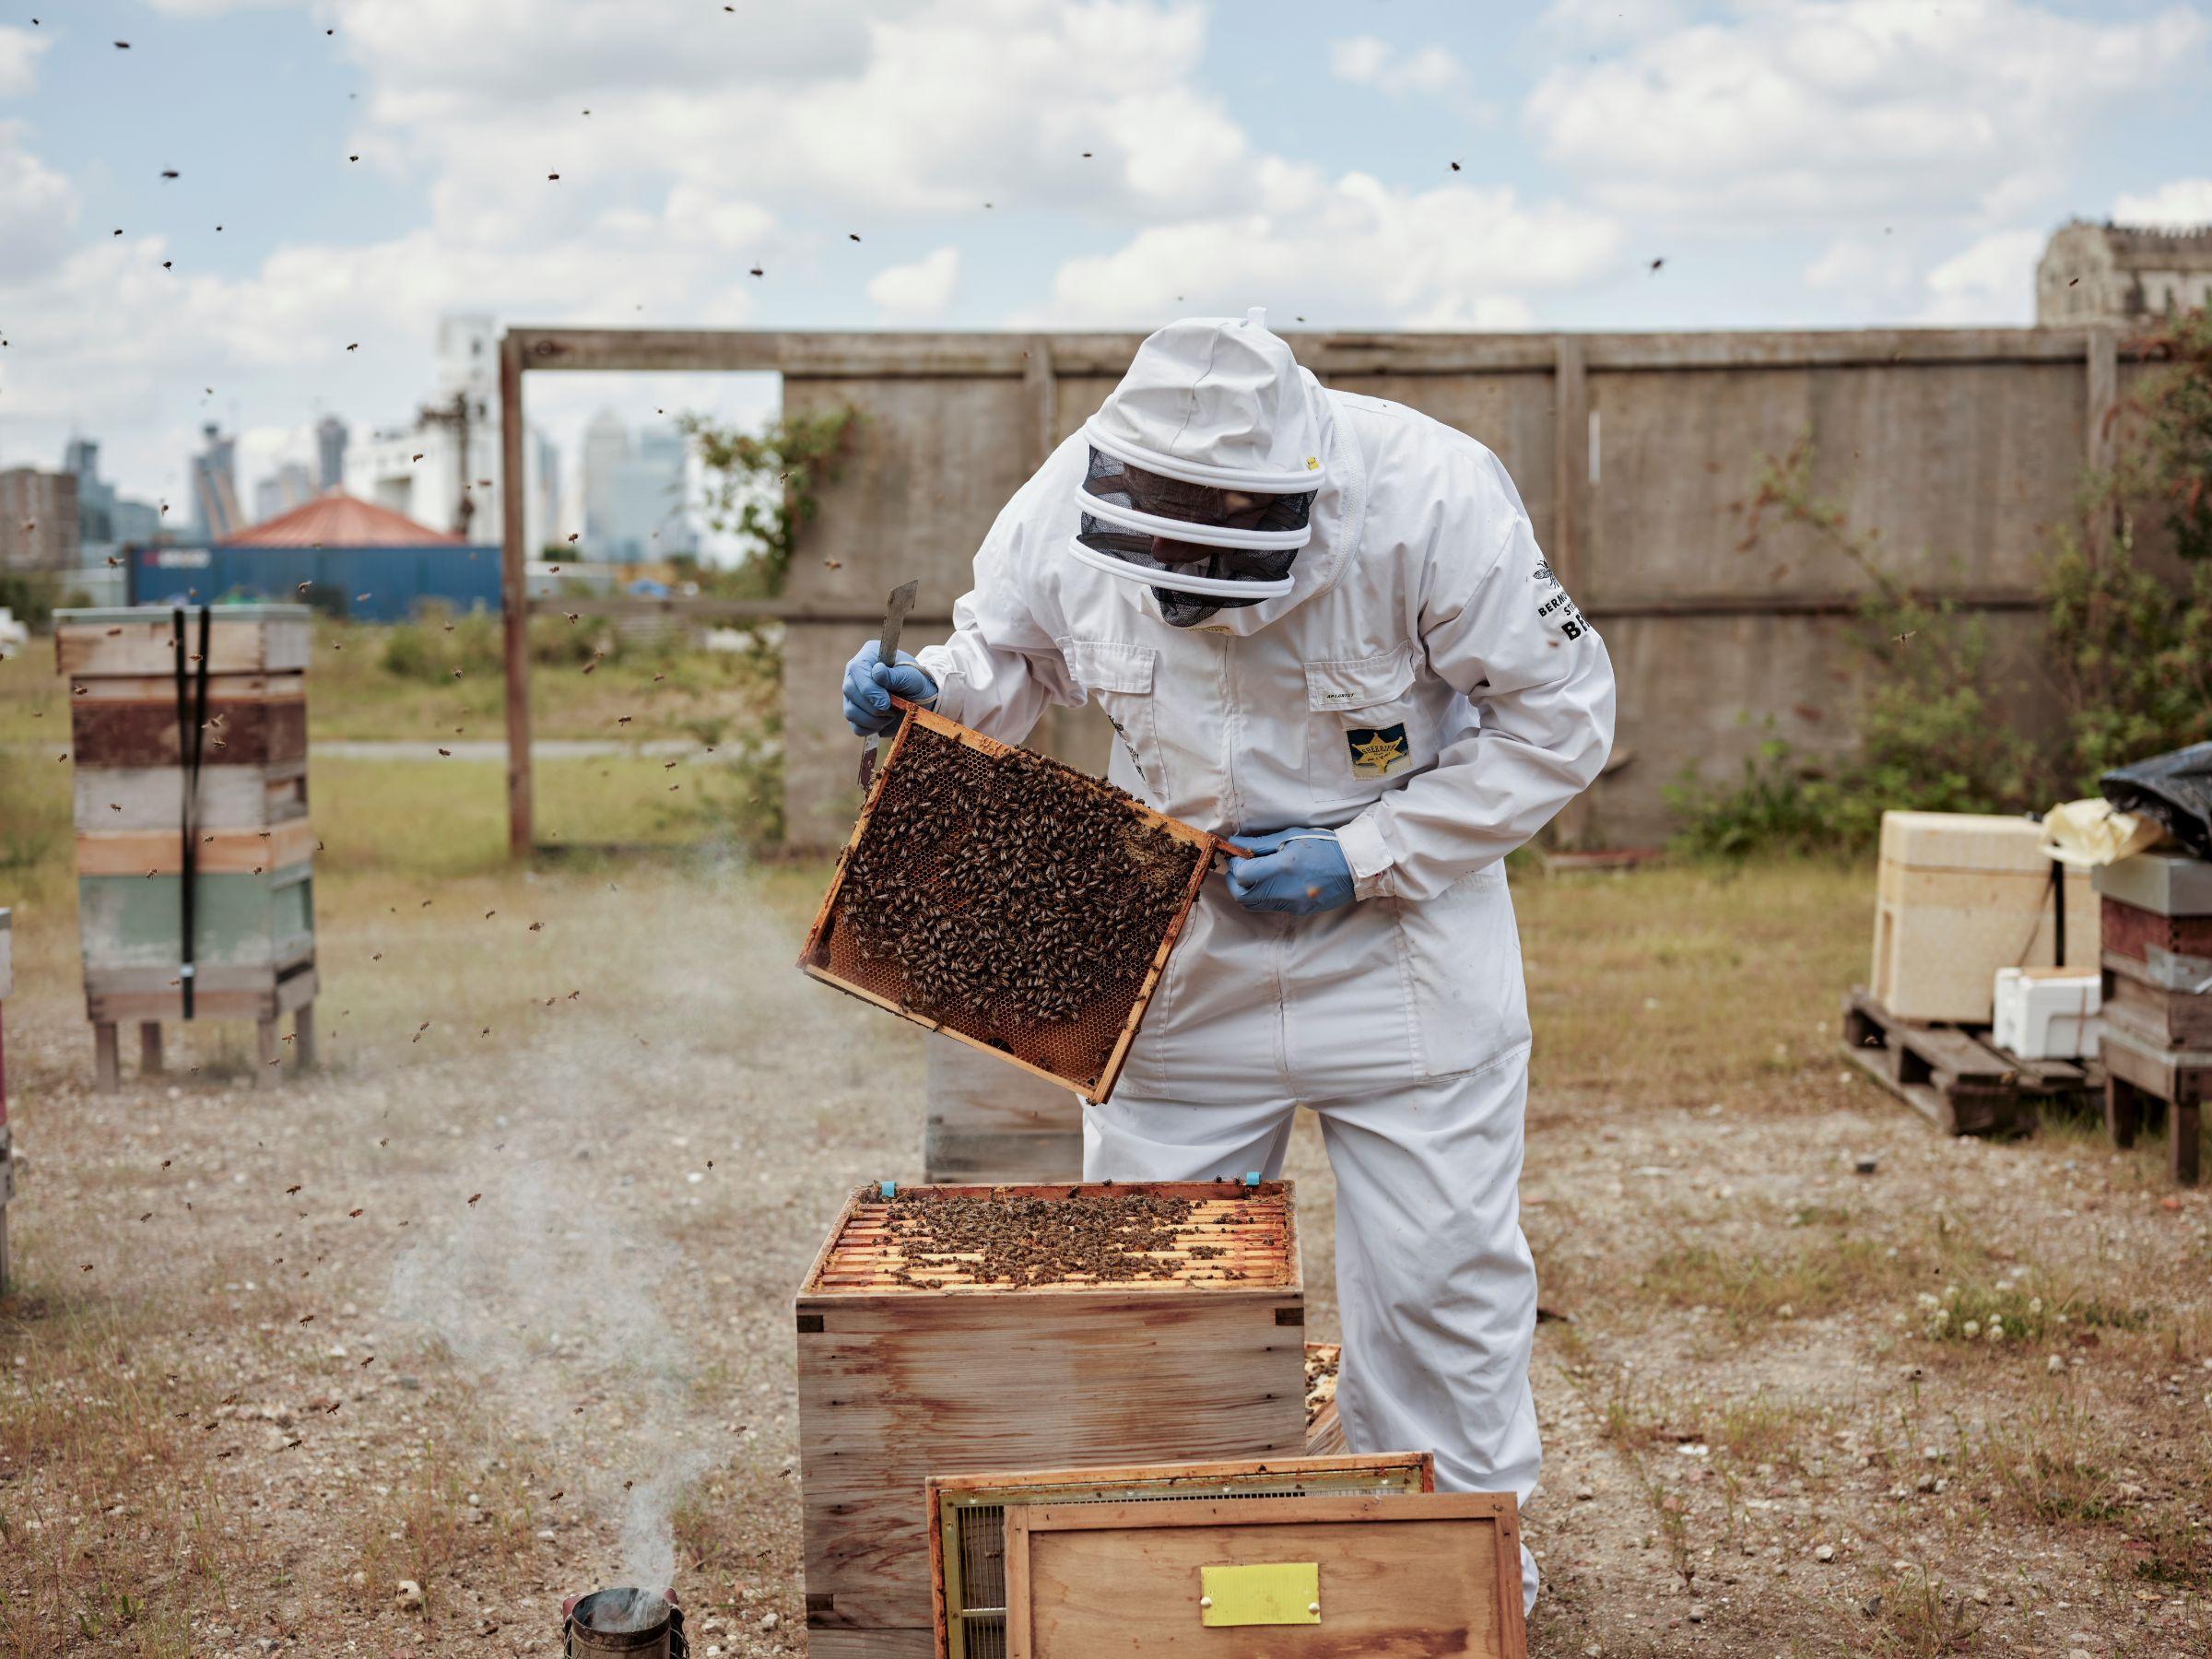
pixel 514 595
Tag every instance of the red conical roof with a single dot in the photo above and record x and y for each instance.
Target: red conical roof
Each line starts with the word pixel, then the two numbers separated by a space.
pixel 338 520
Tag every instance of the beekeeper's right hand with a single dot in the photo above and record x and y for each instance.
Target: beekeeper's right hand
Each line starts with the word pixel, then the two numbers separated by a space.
pixel 870 685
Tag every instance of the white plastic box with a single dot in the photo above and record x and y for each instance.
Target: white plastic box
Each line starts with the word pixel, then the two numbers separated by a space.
pixel 2047 1013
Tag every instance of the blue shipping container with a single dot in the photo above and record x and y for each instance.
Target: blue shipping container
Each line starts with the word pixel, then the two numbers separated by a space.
pixel 362 584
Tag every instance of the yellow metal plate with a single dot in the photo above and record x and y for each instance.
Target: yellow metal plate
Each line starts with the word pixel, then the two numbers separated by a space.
pixel 1263 1592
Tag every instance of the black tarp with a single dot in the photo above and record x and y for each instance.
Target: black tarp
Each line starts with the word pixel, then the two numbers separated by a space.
pixel 2174 789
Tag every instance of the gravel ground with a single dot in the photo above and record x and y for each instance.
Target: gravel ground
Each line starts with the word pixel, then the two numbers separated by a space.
pixel 495 1306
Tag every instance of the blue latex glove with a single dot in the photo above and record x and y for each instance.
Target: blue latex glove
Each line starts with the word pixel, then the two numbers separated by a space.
pixel 1295 872
pixel 869 687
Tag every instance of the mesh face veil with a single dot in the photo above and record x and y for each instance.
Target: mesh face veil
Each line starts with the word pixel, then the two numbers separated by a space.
pixel 1214 548
pixel 1204 464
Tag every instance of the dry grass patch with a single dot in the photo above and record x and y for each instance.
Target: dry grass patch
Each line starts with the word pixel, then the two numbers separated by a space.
pixel 1751 1291
pixel 1923 1618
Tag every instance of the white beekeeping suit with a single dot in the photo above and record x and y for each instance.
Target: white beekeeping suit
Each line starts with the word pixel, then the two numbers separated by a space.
pixel 1387 657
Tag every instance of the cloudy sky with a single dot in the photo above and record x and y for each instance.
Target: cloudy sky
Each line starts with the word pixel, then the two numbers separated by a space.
pixel 370 163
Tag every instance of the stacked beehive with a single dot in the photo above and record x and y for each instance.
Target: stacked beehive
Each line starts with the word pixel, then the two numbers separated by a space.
pixel 194 857
pixel 2158 996
pixel 949 1330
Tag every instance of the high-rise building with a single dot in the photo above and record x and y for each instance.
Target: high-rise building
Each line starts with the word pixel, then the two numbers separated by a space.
pixel 37 520
pixel 330 453
pixel 544 509
pixel 291 485
pixel 605 449
pixel 104 520
pixel 213 475
pixel 635 506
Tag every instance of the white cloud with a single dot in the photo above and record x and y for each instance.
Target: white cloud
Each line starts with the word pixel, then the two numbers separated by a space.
pixel 878 110
pixel 2182 204
pixel 1868 272
pixel 1991 282
pixel 919 292
pixel 38 207
pixel 1367 61
pixel 208 8
pixel 1800 114
pixel 108 341
pixel 1354 252
pixel 20 51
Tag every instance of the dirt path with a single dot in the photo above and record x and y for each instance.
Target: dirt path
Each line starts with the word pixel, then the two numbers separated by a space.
pixel 509 1281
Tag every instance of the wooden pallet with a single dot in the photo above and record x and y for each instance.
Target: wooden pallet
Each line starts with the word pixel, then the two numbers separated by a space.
pixel 1954 1075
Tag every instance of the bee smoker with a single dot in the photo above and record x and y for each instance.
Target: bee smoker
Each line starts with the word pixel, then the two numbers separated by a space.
pixel 638 1624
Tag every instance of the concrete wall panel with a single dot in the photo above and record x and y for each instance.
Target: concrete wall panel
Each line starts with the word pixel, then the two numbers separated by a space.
pixel 932 462
pixel 1511 414
pixel 1962 448
pixel 1958 467
pixel 1706 692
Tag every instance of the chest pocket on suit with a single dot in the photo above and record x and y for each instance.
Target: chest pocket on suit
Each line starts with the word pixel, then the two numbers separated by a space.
pixel 1119 679
pixel 1364 728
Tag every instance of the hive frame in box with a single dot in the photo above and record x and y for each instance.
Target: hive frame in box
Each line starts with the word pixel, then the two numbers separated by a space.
pixel 1180 1626
pixel 814 959
pixel 958 1501
pixel 899 1381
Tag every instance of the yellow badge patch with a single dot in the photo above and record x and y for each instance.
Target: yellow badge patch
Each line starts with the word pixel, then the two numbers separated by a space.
pixel 1376 750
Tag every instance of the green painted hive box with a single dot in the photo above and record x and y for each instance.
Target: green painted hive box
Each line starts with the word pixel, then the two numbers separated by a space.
pixel 238 921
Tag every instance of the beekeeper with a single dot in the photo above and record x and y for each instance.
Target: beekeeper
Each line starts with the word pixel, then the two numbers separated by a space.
pixel 1319 623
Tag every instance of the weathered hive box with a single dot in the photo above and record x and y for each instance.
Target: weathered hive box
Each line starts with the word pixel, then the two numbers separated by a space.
pixel 987 1122
pixel 1958 896
pixel 2156 927
pixel 1323 1577
pixel 968 1518
pixel 1152 1323
pixel 189 732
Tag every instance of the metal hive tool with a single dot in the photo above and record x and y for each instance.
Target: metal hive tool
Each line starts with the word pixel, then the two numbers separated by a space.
pixel 1038 936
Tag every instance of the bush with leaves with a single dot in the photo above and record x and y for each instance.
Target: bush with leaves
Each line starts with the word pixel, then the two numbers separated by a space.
pixel 2131 636
pixel 1931 736
pixel 765 486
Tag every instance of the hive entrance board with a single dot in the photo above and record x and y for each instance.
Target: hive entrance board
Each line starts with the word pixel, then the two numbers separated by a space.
pixel 1008 900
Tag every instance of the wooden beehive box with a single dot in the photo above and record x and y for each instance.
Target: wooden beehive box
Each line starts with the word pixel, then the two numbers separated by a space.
pixel 1958 896
pixel 188 736
pixel 910 1367
pixel 1320 1577
pixel 967 1519
pixel 1085 1049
